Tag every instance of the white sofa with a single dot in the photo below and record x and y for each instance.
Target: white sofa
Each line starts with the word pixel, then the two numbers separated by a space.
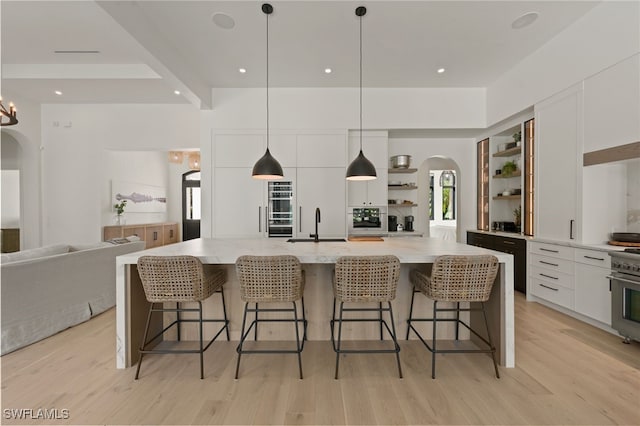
pixel 49 289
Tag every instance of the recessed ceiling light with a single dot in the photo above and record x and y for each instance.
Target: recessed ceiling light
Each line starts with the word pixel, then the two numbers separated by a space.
pixel 177 92
pixel 224 21
pixel 328 70
pixel 57 92
pixel 524 20
pixel 440 70
pixel 242 70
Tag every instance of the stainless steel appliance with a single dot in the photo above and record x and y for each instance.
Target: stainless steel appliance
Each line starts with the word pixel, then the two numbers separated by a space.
pixel 393 223
pixel 367 220
pixel 625 293
pixel 280 209
pixel 408 223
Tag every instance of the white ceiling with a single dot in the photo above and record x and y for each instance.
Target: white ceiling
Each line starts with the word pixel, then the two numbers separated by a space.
pixel 148 49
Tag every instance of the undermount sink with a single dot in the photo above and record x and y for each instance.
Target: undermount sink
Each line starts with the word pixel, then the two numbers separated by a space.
pixel 321 240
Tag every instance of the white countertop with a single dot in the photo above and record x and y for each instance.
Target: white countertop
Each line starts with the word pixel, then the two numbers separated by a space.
pixel 226 251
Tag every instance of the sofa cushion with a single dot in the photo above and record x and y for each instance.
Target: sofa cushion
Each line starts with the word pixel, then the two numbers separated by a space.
pixel 80 247
pixel 34 253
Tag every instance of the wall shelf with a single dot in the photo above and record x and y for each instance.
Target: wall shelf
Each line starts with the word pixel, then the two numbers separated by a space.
pixel 402 187
pixel 507 197
pixel 399 170
pixel 517 173
pixel 509 152
pixel 403 205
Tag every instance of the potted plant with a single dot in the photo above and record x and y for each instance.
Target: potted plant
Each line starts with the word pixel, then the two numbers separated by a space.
pixel 517 215
pixel 517 137
pixel 120 212
pixel 508 168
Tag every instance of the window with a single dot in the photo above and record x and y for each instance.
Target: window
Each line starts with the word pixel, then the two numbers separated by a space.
pixel 430 196
pixel 442 198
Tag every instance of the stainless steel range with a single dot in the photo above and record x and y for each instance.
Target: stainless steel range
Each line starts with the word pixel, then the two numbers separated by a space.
pixel 625 293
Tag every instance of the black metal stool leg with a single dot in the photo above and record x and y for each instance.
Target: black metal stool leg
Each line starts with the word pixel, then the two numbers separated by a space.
pixel 201 347
pixel 493 349
pixel 380 312
pixel 224 311
pixel 178 318
pixel 242 337
pixel 295 318
pixel 457 320
pixel 304 320
pixel 413 295
pixel 395 340
pixel 144 339
pixel 433 351
pixel 339 340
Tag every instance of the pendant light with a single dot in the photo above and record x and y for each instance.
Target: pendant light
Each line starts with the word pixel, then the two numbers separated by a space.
pixel 361 168
pixel 267 167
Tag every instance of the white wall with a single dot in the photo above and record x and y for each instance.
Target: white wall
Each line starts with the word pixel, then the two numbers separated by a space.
pixel 80 158
pixel 462 152
pixel 10 190
pixel 607 34
pixel 633 196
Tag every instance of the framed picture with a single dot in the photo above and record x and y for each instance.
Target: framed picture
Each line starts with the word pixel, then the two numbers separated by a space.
pixel 140 198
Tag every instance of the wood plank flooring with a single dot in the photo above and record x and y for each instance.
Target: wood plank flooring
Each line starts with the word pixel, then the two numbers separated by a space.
pixel 567 372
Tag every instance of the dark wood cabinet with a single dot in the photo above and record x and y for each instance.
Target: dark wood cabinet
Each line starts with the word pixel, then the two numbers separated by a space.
pixel 515 246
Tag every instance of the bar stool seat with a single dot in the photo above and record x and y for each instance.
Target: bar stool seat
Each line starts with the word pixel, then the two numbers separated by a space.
pixel 365 279
pixel 271 279
pixel 455 279
pixel 180 279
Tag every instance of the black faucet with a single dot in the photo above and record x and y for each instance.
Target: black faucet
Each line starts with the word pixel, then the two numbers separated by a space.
pixel 315 236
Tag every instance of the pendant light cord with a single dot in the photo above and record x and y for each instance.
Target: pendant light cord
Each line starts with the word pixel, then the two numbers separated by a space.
pixel 360 83
pixel 267 81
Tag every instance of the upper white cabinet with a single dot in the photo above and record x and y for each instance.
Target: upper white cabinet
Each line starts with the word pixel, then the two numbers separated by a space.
pixel 612 106
pixel 283 148
pixel 238 150
pixel 321 150
pixel 323 188
pixel 369 192
pixel 559 140
pixel 375 147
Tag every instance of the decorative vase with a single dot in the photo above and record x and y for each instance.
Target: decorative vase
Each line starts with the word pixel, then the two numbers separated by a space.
pixel 119 219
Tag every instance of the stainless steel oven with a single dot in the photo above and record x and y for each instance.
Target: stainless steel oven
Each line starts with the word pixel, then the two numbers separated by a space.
pixel 367 220
pixel 280 209
pixel 625 293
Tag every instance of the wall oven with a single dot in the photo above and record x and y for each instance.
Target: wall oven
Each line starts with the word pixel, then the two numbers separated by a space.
pixel 625 293
pixel 280 209
pixel 367 220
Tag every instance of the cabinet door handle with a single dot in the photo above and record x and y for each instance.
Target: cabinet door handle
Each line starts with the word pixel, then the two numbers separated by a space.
pixel 300 219
pixel 571 229
pixel 509 242
pixel 170 233
pixel 594 258
pixel 548 263
pixel 259 218
pixel 155 235
pixel 548 276
pixel 546 286
pixel 266 219
pixel 549 250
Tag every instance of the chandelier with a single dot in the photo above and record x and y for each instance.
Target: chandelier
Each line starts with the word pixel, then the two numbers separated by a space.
pixel 7 118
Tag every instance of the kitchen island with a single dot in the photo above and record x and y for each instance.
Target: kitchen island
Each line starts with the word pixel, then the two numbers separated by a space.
pixel 317 260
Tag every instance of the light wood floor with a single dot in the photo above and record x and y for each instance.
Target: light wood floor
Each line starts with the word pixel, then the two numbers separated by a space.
pixel 567 373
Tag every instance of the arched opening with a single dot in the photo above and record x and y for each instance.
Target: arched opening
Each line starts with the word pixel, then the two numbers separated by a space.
pixel 191 205
pixel 439 206
pixel 10 188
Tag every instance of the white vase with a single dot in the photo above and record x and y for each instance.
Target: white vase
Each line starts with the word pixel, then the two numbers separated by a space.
pixel 119 219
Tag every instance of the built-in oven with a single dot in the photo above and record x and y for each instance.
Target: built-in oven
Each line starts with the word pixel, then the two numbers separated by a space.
pixel 280 209
pixel 367 220
pixel 625 293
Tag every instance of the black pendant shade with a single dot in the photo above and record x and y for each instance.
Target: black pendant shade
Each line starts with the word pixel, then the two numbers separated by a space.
pixel 361 168
pixel 267 167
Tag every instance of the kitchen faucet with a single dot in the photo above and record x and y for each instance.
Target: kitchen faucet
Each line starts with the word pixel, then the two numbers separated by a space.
pixel 315 236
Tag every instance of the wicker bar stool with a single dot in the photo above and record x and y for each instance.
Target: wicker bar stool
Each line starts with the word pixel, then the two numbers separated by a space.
pixel 180 279
pixel 271 279
pixel 455 279
pixel 365 279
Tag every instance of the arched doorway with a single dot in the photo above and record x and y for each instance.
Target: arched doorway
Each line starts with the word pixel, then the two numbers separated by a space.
pixel 439 209
pixel 10 178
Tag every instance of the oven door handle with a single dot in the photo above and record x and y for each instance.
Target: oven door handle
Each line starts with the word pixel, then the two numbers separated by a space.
pixel 624 280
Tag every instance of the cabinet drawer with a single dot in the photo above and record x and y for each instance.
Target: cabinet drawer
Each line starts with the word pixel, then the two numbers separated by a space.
pixel 551 263
pixel 554 250
pixel 553 293
pixel 593 257
pixel 553 277
pixel 153 236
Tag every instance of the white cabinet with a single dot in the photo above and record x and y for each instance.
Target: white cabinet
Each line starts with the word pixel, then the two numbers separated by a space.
pixel 238 150
pixel 238 208
pixel 592 291
pixel 550 273
pixel 321 150
pixel 612 106
pixel 559 137
pixel 375 146
pixel 324 188
pixel 369 192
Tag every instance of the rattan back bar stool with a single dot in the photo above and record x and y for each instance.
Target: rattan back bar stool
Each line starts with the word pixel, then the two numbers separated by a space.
pixel 455 279
pixel 271 279
pixel 365 279
pixel 180 279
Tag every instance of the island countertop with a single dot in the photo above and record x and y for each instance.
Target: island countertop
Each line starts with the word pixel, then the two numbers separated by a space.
pixel 317 259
